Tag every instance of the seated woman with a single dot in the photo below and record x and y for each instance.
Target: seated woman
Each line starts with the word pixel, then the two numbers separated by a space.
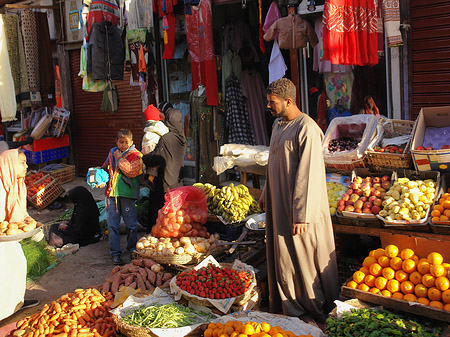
pixel 83 228
pixel 13 208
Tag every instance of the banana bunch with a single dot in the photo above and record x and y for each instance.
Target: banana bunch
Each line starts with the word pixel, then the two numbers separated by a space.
pixel 233 203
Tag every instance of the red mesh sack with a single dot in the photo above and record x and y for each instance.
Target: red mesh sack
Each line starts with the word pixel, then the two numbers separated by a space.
pixel 183 214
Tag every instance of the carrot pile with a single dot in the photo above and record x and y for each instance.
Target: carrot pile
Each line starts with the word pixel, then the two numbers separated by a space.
pixel 83 313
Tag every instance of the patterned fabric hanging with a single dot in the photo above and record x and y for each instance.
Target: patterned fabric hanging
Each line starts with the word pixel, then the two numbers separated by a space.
pixel 350 32
pixel 238 123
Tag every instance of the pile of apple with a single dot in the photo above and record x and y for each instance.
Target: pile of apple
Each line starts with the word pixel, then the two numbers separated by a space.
pixel 335 191
pixel 364 195
pixel 389 149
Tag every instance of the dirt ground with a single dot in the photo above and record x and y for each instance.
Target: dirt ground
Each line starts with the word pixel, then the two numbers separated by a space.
pixel 88 266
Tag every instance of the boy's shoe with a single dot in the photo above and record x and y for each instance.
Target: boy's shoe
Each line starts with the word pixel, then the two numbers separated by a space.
pixel 117 260
pixel 29 304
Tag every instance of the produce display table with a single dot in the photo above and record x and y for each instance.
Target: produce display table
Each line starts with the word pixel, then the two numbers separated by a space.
pixel 256 171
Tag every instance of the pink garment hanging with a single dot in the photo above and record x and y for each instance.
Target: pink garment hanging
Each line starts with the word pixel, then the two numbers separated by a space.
pixel 199 36
pixel 350 32
pixel 273 14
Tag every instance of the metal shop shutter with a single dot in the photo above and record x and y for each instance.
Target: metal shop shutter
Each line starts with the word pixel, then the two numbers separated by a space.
pixel 430 54
pixel 95 131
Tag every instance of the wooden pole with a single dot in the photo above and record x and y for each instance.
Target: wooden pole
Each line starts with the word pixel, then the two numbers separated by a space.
pixel 294 65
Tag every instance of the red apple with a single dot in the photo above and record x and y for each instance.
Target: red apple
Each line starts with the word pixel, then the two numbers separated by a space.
pixel 367 210
pixel 358 179
pixel 358 210
pixel 345 197
pixel 385 178
pixel 366 186
pixel 445 147
pixel 354 185
pixel 382 194
pixel 375 209
pixel 358 204
pixel 341 208
pixel 420 148
pixel 367 204
pixel 349 203
pixel 349 191
pixel 372 198
pixel 359 192
pixel 349 208
pixel 386 184
pixel 377 185
pixel 363 199
pixel 341 202
pixel 354 197
pixel 429 148
pixel 376 193
pixel 376 180
pixel 367 193
pixel 368 179
pixel 377 202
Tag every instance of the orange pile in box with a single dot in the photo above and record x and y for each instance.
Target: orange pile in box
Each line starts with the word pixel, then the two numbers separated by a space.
pixel 30 182
pixel 441 211
pixel 405 276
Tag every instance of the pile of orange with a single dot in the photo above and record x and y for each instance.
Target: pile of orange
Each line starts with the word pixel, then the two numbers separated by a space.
pixel 234 328
pixel 405 276
pixel 441 211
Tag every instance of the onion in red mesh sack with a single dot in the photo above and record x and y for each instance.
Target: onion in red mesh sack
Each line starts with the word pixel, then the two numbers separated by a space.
pixel 183 214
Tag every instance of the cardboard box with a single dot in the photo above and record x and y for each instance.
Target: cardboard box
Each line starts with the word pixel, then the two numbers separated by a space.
pixel 430 160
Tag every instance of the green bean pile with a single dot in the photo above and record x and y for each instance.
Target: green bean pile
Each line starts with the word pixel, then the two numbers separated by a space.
pixel 162 316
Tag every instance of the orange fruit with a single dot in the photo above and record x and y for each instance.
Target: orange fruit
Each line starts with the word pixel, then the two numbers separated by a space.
pixel 391 251
pixel 435 219
pixel 439 208
pixel 446 296
pixel 410 298
pixel 365 270
pixel 408 266
pixel 208 333
pixel 371 252
pixel 380 282
pixel 447 213
pixel 386 293
pixel 388 273
pixel 437 270
pixel 396 263
pixel 265 326
pixel 375 269
pixel 447 307
pixel 407 287
pixel 393 286
pixel 248 329
pixel 375 290
pixel 423 266
pixel 428 280
pixel 352 284
pixel 384 261
pixel 363 287
pixel 406 253
pixel 358 276
pixel 423 300
pixel 368 261
pixel 435 213
pixel 398 295
pixel 228 330
pixel 420 290
pixel 442 283
pixel 401 276
pixel 446 266
pixel 434 294
pixel 435 258
pixel 443 218
pixel 437 305
pixel 446 204
pixel 378 252
pixel 415 277
pixel 370 280
pixel 211 326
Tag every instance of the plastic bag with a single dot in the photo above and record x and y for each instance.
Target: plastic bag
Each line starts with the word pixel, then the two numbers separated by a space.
pixel 221 164
pixel 359 127
pixel 97 177
pixel 240 149
pixel 183 214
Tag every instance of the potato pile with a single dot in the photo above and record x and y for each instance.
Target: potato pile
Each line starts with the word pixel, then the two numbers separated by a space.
pixel 151 246
pixel 14 228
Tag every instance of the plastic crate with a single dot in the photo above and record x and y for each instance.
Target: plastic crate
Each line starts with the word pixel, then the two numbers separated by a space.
pixel 63 175
pixel 46 195
pixel 46 155
pixel 226 232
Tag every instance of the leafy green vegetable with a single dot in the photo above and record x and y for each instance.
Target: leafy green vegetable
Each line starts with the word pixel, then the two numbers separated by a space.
pixel 371 323
pixel 163 316
pixel 38 257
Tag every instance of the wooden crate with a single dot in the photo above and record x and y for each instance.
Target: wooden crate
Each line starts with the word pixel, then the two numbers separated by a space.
pixel 63 175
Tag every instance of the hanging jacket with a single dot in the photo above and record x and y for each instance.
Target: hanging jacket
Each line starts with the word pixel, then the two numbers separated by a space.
pixel 106 53
pixel 293 32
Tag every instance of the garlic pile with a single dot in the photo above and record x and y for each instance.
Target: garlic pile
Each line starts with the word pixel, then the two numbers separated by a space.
pixel 151 245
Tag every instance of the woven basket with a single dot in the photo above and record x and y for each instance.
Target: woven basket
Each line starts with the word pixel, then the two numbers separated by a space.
pixel 47 195
pixel 347 166
pixel 181 259
pixel 63 175
pixel 131 330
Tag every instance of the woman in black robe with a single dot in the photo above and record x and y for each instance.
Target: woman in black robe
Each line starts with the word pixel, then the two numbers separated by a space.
pixel 169 156
pixel 83 228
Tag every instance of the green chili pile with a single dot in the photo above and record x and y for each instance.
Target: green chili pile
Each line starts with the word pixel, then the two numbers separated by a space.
pixel 163 316
pixel 371 323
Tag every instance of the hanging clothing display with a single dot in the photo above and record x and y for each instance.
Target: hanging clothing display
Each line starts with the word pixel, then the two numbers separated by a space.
pixel 319 64
pixel 106 52
pixel 293 32
pixel 237 120
pixel 273 14
pixel 255 93
pixel 391 11
pixel 47 73
pixel 139 14
pixel 88 83
pixel 350 32
pixel 7 94
pixel 164 8
pixel 17 60
pixel 339 89
pixel 231 65
pixel 200 41
pixel 237 36
pixel 134 41
pixel 102 10
pixel 31 47
pixel 204 128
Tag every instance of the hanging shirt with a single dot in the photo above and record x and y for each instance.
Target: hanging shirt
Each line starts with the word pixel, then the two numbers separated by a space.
pixel 88 83
pixel 277 66
pixel 100 10
pixel 231 65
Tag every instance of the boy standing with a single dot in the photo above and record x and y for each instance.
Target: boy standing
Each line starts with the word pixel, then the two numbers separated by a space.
pixel 124 165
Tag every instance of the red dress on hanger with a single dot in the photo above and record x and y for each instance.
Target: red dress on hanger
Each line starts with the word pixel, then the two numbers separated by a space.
pixel 350 32
pixel 199 37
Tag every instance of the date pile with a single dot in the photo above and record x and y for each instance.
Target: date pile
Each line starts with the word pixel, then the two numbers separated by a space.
pixel 343 144
pixel 214 282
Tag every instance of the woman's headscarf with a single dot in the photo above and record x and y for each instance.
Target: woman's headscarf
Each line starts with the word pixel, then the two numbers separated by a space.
pixel 16 190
